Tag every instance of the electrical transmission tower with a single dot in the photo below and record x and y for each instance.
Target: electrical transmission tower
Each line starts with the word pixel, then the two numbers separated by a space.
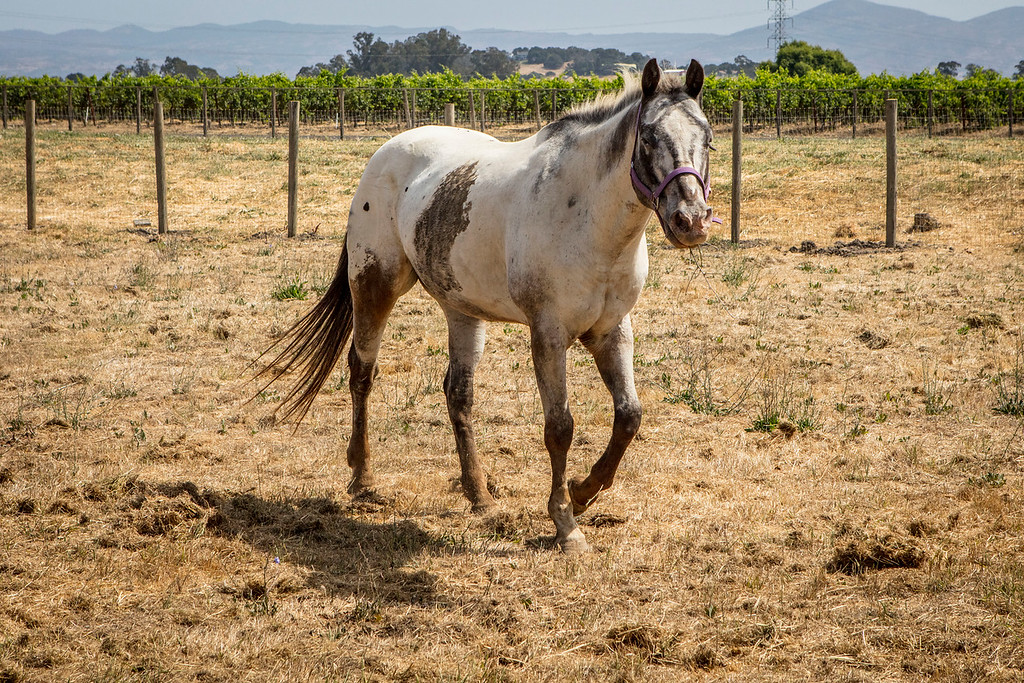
pixel 777 23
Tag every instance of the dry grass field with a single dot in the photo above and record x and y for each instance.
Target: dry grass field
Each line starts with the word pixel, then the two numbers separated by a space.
pixel 827 484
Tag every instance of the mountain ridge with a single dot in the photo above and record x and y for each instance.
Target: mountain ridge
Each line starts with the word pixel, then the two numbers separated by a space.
pixel 875 37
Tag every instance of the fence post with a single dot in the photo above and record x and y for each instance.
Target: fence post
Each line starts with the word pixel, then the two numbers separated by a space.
pixel 293 164
pixel 405 104
pixel 890 173
pixel 554 105
pixel 536 107
pixel 737 157
pixel 273 112
pixel 5 106
pixel 206 112
pixel 483 110
pixel 161 170
pixel 854 114
pixel 341 113
pixel 30 163
pixel 413 108
pixel 138 110
pixel 449 114
pixel 472 109
pixel 931 110
pixel 778 113
pixel 1009 105
pixel 71 110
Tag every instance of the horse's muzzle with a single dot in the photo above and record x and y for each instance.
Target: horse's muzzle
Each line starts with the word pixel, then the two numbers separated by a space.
pixel 684 229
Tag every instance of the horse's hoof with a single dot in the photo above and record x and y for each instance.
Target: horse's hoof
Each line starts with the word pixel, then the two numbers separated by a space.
pixel 579 505
pixel 361 484
pixel 573 544
pixel 484 508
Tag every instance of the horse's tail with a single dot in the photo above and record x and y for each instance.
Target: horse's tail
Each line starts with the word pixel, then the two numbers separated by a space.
pixel 313 345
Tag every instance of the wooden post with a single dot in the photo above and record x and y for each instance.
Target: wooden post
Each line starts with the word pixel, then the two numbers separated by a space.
pixel 449 114
pixel 413 108
pixel 483 110
pixel 293 165
pixel 554 105
pixel 536 107
pixel 71 110
pixel 778 113
pixel 931 110
pixel 405 103
pixel 341 113
pixel 206 112
pixel 472 109
pixel 5 105
pixel 855 114
pixel 273 112
pixel 161 169
pixel 138 110
pixel 1009 107
pixel 30 163
pixel 737 157
pixel 890 173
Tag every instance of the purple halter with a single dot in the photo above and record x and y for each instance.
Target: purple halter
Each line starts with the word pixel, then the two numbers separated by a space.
pixel 655 195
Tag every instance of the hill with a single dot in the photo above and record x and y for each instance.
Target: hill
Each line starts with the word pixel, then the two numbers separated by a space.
pixel 873 36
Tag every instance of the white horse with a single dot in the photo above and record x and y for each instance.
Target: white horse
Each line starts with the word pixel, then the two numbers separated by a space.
pixel 547 232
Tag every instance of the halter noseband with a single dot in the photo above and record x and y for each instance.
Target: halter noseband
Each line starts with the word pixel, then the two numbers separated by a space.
pixel 655 195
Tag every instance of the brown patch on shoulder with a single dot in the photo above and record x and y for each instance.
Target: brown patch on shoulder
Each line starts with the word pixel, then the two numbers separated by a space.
pixel 444 219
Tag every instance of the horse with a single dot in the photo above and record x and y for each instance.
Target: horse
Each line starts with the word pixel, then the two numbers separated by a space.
pixel 548 232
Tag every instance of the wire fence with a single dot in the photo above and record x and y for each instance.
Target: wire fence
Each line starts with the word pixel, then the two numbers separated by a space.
pixel 205 110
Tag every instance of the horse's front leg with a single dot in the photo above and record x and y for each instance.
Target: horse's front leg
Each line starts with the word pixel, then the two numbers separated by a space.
pixel 549 344
pixel 613 353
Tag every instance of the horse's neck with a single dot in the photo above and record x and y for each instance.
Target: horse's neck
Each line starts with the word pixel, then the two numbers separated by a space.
pixel 604 152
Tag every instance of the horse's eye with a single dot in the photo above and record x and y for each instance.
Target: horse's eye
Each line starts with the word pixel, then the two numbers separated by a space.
pixel 712 147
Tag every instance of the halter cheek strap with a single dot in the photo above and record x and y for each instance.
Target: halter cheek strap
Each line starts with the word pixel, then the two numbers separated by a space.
pixel 655 195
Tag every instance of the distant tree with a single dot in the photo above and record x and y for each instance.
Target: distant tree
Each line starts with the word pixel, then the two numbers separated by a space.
pixel 798 57
pixel 176 66
pixel 951 69
pixel 977 70
pixel 75 77
pixel 741 65
pixel 489 62
pixel 1019 73
pixel 370 57
pixel 337 64
pixel 141 67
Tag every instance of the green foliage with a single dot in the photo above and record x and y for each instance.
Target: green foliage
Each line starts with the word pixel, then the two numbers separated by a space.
pixel 979 101
pixel 800 58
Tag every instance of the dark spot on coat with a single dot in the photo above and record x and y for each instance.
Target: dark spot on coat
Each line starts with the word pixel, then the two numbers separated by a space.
pixel 366 206
pixel 444 219
pixel 572 201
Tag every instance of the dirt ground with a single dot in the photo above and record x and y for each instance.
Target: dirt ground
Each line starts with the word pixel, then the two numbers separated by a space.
pixel 827 484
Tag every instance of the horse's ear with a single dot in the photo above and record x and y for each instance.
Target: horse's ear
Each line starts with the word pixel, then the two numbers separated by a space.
pixel 694 78
pixel 651 77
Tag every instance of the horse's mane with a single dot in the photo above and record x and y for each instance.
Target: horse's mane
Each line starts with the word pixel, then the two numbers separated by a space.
pixel 607 105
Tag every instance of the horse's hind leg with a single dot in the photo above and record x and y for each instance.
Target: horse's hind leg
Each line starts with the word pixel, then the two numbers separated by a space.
pixel 613 354
pixel 376 285
pixel 465 346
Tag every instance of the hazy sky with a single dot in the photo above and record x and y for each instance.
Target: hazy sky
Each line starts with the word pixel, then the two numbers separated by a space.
pixel 576 16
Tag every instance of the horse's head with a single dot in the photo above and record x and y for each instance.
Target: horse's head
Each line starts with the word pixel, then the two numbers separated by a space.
pixel 670 154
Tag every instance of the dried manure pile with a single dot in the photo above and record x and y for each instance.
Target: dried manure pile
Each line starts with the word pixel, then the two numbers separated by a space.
pixel 827 483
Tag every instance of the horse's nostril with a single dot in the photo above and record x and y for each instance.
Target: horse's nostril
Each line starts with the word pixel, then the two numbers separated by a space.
pixel 680 221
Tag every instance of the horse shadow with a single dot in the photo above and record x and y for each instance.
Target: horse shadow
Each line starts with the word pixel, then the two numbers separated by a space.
pixel 351 549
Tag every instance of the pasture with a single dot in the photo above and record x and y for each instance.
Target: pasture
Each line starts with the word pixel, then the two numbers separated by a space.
pixel 827 484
